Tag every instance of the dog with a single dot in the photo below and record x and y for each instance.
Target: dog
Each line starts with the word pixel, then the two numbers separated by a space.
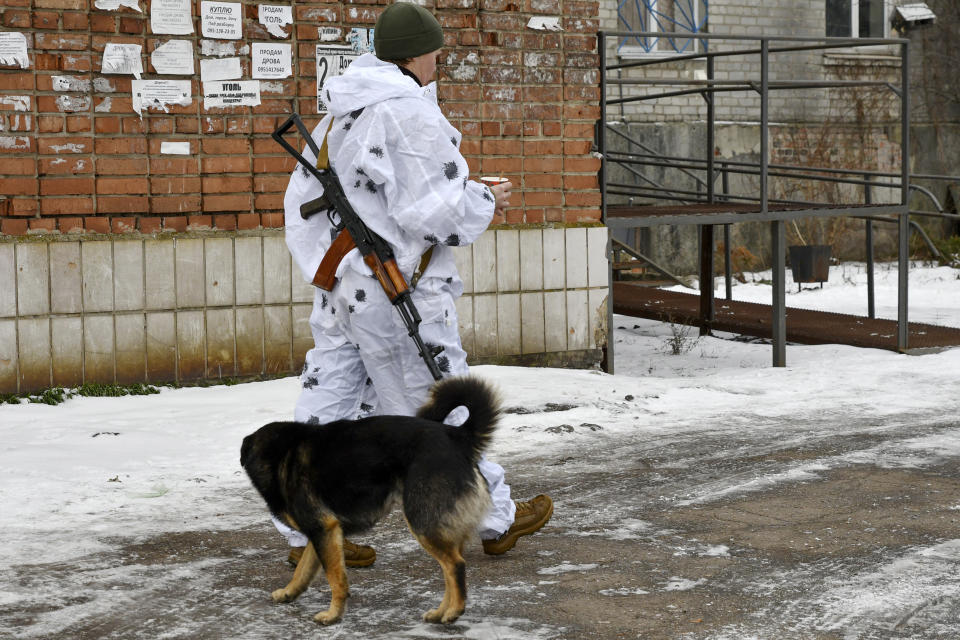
pixel 333 480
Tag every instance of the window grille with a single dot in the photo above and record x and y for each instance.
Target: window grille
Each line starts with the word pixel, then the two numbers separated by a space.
pixel 666 16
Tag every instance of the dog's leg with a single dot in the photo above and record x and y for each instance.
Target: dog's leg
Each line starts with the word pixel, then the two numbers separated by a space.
pixel 302 577
pixel 331 555
pixel 454 578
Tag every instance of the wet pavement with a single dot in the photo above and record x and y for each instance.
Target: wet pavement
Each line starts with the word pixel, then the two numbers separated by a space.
pixel 850 531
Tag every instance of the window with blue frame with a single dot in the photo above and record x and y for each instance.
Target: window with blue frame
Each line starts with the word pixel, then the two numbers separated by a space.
pixel 664 16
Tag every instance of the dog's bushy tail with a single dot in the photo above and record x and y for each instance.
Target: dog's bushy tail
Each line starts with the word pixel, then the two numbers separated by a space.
pixel 477 396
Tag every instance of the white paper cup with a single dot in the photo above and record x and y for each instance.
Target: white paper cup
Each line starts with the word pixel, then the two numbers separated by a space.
pixel 492 180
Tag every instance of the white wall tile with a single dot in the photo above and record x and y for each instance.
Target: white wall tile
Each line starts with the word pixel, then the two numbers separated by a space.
pixel 249 270
pixel 66 285
pixel 218 258
pixel 555 321
pixel 191 352
pixel 463 256
pixel 161 346
pixel 578 320
pixel 33 279
pixel 8 275
pixel 465 322
pixel 277 339
pixel 554 259
pixel 597 263
pixel 532 322
pixel 249 341
pixel 128 292
pixel 508 324
pixel 301 290
pixel 276 270
pixel 66 350
pixel 485 263
pixel 161 290
pixel 131 341
pixel 221 336
pixel 576 256
pixel 34 349
pixel 8 356
pixel 302 335
pixel 596 300
pixel 508 260
pixel 98 350
pixel 531 260
pixel 97 259
pixel 485 325
pixel 191 288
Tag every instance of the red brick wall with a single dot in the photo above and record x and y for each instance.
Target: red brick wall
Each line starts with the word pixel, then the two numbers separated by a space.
pixel 525 100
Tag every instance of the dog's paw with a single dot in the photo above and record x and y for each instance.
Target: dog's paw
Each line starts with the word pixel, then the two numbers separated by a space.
pixel 451 616
pixel 443 616
pixel 433 615
pixel 282 595
pixel 328 617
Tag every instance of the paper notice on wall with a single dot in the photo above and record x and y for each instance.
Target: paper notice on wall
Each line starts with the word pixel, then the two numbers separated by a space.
pixel 157 94
pixel 544 23
pixel 275 18
pixel 329 34
pixel 13 49
pixel 171 16
pixel 221 20
pixel 270 61
pixel 175 148
pixel 236 93
pixel 174 57
pixel 113 5
pixel 220 69
pixel 361 40
pixel 122 58
pixel 332 60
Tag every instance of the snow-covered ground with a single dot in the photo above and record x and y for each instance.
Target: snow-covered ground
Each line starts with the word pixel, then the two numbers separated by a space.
pixel 91 474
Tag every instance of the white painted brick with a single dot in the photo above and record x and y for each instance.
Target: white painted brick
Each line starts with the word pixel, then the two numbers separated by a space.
pixel 508 260
pixel 597 263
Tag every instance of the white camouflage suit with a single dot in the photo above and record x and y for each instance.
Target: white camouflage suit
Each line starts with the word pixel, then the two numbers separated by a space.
pixel 399 163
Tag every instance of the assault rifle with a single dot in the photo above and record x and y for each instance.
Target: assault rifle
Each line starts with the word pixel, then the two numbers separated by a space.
pixel 376 253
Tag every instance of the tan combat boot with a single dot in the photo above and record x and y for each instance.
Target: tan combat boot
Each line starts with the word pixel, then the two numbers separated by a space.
pixel 354 555
pixel 530 517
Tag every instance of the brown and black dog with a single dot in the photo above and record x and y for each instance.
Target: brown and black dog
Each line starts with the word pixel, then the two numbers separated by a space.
pixel 337 479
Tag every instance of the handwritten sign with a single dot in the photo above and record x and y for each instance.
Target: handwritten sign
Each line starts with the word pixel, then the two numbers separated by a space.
pixel 221 20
